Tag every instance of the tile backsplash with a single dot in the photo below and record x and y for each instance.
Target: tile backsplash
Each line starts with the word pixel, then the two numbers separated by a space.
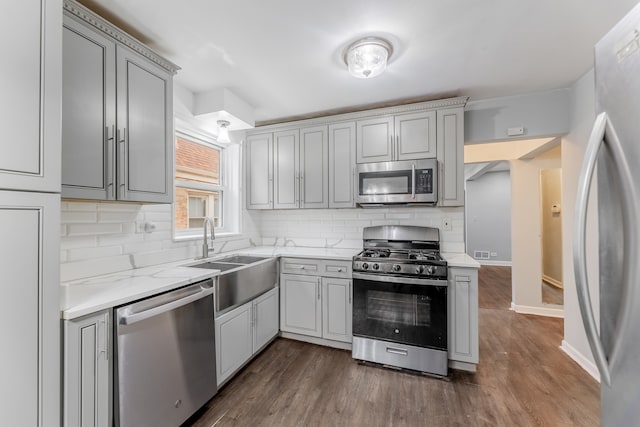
pixel 102 237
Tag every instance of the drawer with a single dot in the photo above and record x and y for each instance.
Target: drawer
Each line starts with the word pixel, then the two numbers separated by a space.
pixel 300 266
pixel 333 268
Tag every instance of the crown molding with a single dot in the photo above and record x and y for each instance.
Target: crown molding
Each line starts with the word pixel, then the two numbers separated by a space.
pixel 459 101
pixel 85 15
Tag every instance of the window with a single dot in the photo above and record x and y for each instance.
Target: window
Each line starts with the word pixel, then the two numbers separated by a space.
pixel 199 185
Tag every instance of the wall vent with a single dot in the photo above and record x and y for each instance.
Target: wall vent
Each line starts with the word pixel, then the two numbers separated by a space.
pixel 481 254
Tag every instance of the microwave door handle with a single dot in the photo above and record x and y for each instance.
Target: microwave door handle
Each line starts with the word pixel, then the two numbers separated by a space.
pixel 413 181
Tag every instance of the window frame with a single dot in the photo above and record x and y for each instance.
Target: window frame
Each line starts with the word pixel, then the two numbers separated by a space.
pixel 210 142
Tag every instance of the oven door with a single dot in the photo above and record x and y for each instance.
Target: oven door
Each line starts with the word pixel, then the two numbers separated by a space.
pixel 399 309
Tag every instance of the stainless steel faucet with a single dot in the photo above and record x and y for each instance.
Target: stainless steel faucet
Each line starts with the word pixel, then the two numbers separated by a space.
pixel 205 246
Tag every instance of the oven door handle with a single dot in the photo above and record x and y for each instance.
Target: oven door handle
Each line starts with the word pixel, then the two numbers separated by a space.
pixel 413 181
pixel 400 280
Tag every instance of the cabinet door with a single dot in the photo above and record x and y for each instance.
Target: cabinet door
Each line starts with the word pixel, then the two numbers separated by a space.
pixel 342 161
pixel 450 136
pixel 259 163
pixel 144 130
pixel 88 113
pixel 30 45
pixel 336 309
pixel 314 170
pixel 463 315
pixel 416 135
pixel 266 318
pixel 374 140
pixel 300 309
pixel 87 356
pixel 233 340
pixel 286 170
pixel 30 309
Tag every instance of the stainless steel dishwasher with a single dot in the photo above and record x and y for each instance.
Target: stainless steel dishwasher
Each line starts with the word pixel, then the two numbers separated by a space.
pixel 166 367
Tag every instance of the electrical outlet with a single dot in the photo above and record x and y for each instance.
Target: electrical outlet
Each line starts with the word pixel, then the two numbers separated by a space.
pixel 494 254
pixel 446 223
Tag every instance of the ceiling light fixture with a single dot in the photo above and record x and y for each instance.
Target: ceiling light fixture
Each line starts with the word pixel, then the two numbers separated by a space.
pixel 368 57
pixel 223 131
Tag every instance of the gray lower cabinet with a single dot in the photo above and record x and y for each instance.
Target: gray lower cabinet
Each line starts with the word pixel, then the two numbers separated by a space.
pixel 450 150
pixel 463 315
pixel 243 332
pixel 87 371
pixel 316 301
pixel 117 114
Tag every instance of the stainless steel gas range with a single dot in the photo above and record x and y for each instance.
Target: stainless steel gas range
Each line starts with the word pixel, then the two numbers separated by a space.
pixel 400 299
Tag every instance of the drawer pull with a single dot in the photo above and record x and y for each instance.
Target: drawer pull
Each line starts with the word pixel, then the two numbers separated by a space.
pixel 399 351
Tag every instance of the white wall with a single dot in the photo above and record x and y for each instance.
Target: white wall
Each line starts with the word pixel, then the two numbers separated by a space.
pixel 541 114
pixel 573 145
pixel 551 195
pixel 526 253
pixel 488 216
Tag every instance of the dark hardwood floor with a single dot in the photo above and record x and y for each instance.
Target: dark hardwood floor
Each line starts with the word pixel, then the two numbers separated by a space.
pixel 523 379
pixel 552 294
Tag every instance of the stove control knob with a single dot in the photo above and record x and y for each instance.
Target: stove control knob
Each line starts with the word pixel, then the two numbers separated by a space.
pixel 376 266
pixel 365 266
pixel 419 269
pixel 431 269
pixel 397 267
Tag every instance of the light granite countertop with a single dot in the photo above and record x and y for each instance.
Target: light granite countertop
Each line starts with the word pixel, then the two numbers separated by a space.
pixel 86 296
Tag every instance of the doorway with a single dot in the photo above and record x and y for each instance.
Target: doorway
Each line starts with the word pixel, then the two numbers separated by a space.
pixel 551 236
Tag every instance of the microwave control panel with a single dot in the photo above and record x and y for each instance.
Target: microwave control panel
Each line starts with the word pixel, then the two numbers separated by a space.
pixel 424 181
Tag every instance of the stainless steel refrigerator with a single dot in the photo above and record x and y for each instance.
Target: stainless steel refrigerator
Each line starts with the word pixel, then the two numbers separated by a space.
pixel 613 151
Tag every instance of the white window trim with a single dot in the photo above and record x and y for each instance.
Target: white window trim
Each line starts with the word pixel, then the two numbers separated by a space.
pixel 227 209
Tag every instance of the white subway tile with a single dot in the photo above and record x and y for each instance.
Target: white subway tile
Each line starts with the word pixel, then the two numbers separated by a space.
pixel 398 216
pixel 94 267
pixel 78 242
pixel 93 229
pixel 118 207
pixel 89 253
pixel 118 216
pixel 118 239
pixel 143 246
pixel 69 217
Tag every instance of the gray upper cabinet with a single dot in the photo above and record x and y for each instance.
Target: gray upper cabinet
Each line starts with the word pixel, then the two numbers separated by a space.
pixel 117 108
pixel 415 135
pixel 451 156
pixel 312 163
pixel 314 155
pixel 259 165
pixel 286 169
pixel 375 140
pixel 401 137
pixel 30 102
pixel 342 165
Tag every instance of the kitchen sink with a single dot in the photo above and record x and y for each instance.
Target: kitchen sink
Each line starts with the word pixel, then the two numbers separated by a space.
pixel 212 265
pixel 242 259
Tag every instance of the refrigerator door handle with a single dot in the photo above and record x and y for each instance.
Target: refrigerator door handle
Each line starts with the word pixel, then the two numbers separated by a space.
pixel 579 248
pixel 603 130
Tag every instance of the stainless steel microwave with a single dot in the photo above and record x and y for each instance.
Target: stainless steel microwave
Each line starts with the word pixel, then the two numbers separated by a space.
pixel 401 182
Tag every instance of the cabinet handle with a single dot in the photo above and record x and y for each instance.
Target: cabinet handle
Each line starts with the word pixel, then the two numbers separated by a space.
pixel 255 315
pixel 413 181
pixel 301 190
pixel 350 291
pixel 104 340
pixel 397 147
pixel 109 161
pixel 318 288
pixel 270 191
pixel 121 166
pixel 392 145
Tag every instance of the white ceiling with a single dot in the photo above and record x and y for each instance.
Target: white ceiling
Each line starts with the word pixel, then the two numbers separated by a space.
pixel 284 57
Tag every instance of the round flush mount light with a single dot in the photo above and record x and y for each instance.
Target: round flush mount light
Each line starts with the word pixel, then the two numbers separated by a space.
pixel 367 57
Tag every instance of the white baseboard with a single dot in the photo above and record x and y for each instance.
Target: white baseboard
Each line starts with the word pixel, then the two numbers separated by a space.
pixel 496 263
pixel 581 360
pixel 538 311
pixel 462 366
pixel 553 282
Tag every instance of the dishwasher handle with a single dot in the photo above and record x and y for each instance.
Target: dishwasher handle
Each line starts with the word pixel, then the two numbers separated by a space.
pixel 201 290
